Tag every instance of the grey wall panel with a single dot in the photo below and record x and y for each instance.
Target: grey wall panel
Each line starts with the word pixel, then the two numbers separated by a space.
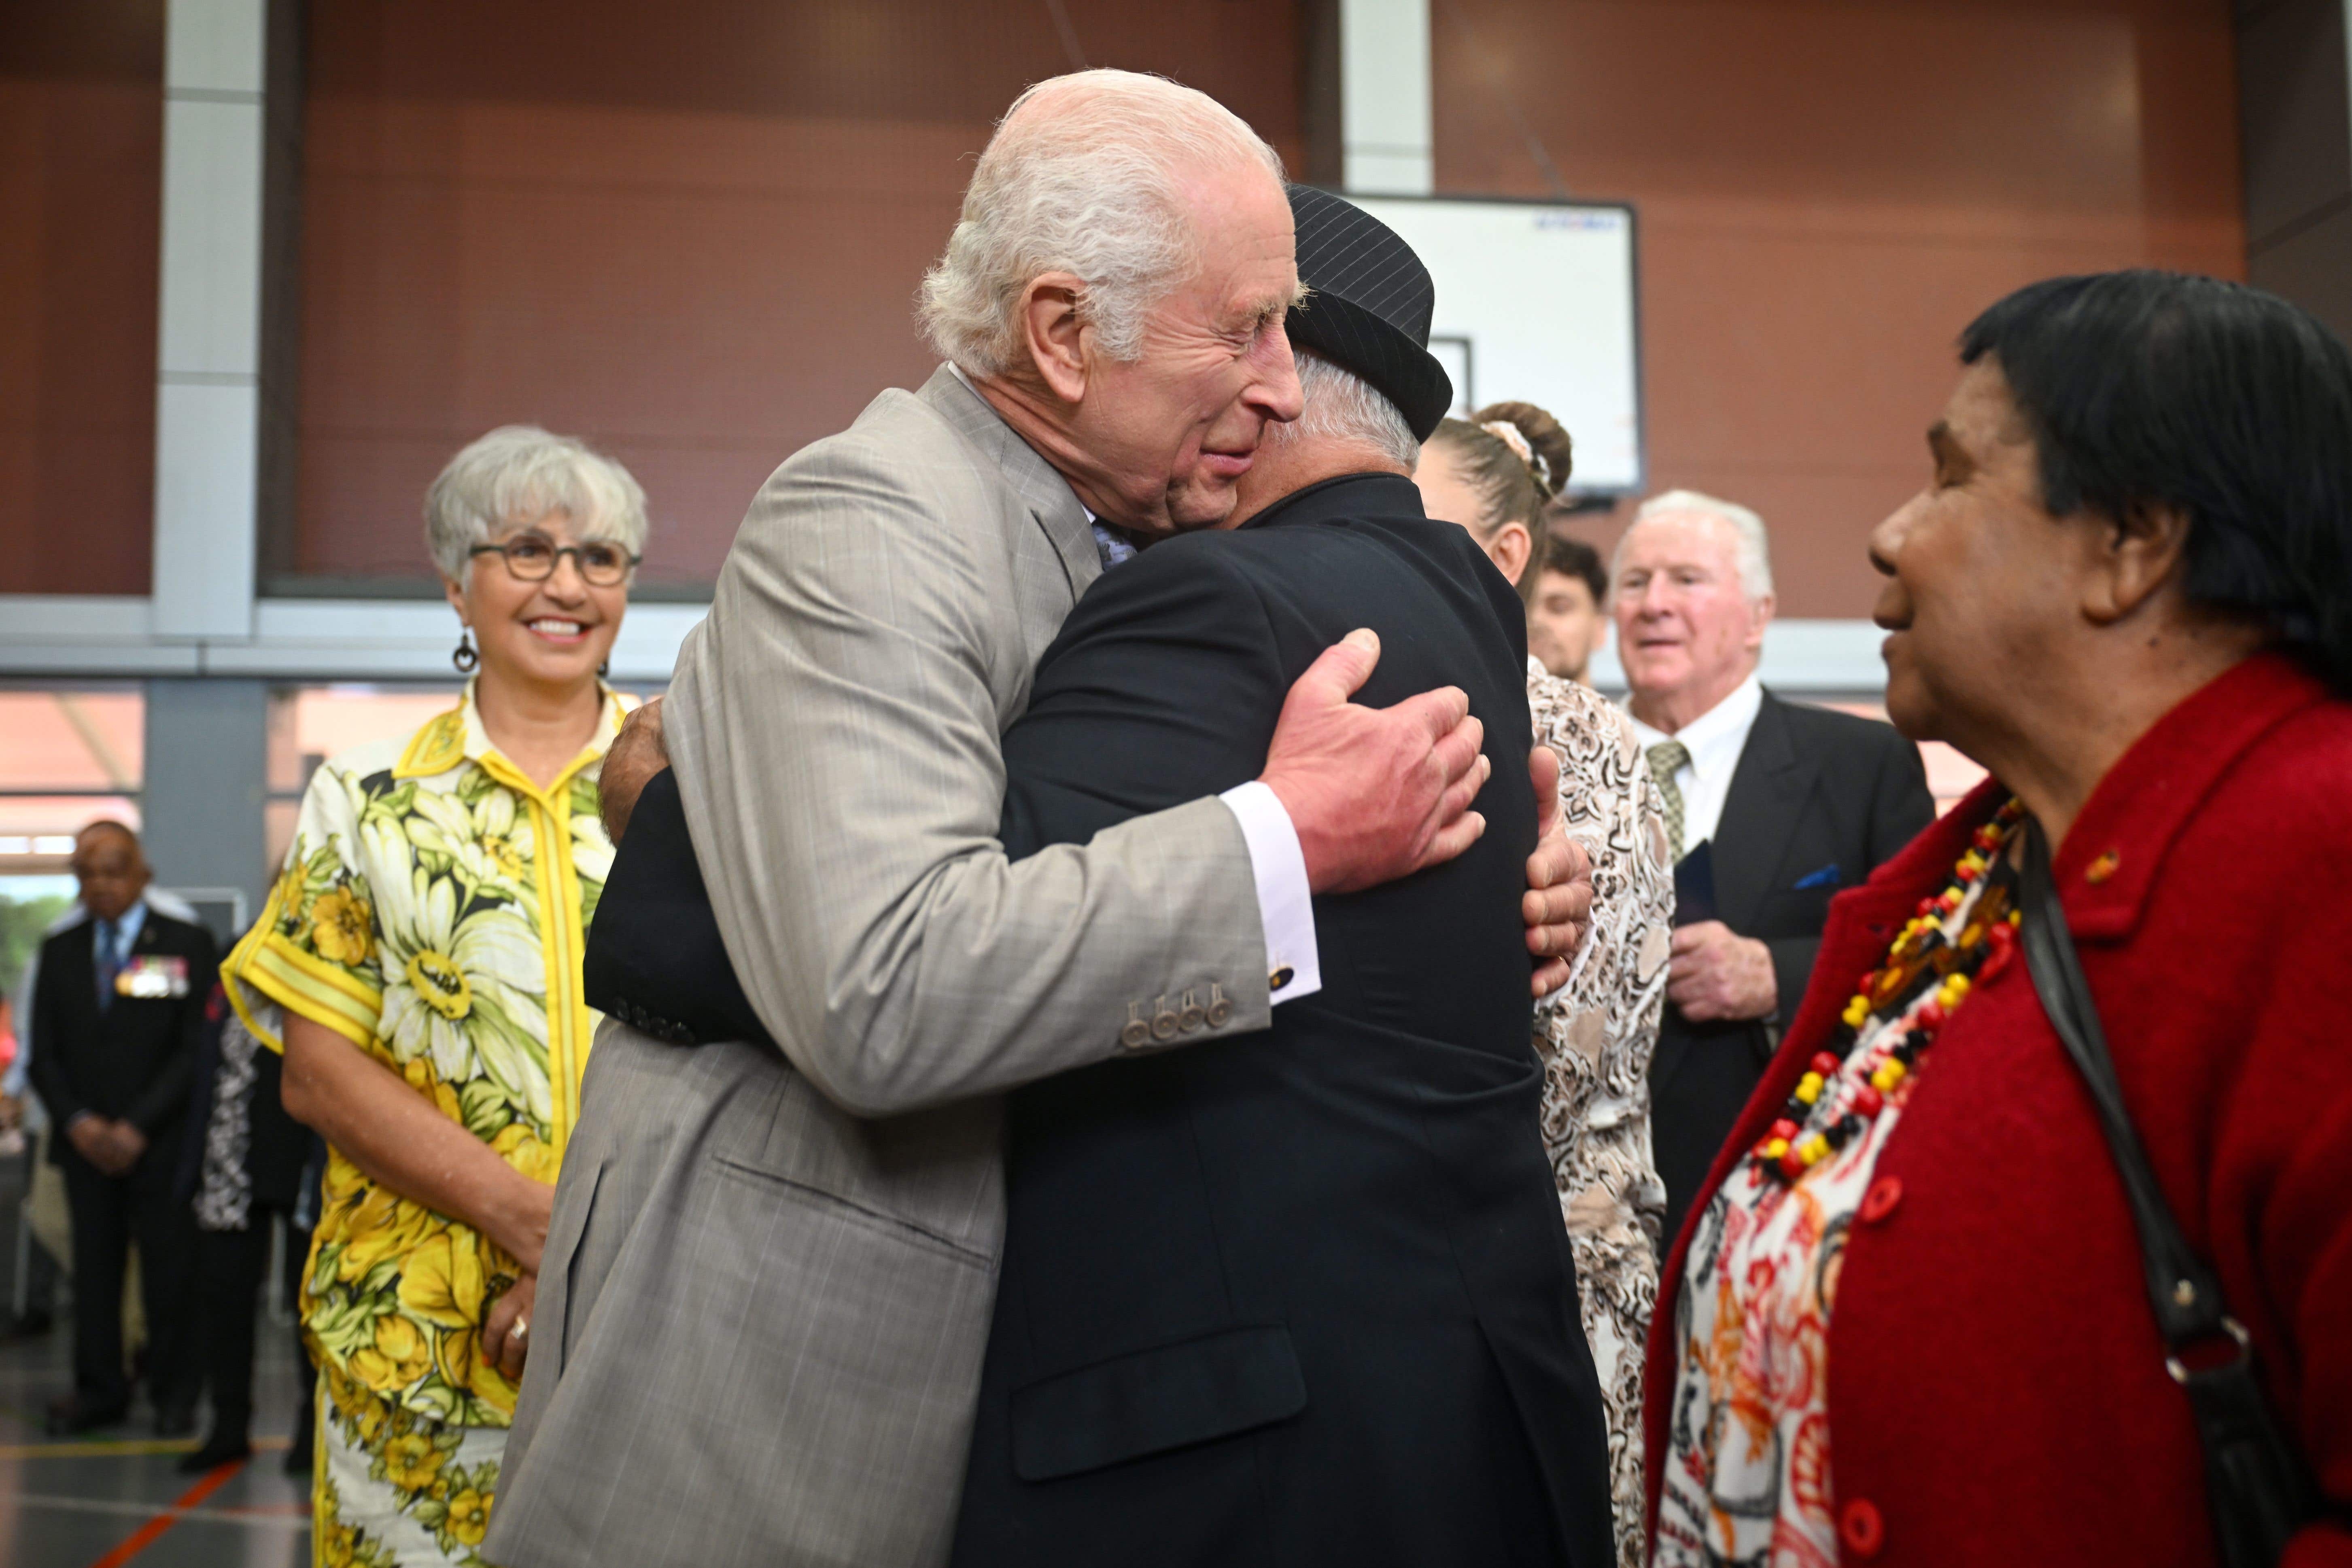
pixel 2295 116
pixel 207 760
pixel 2313 266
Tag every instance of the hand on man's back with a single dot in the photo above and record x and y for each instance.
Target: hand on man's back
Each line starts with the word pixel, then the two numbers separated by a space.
pixel 636 755
pixel 1558 906
pixel 1375 794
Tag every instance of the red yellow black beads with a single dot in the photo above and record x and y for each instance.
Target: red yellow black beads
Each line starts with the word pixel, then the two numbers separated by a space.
pixel 1902 1005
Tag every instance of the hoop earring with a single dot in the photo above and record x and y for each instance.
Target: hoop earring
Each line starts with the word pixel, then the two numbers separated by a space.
pixel 604 669
pixel 465 657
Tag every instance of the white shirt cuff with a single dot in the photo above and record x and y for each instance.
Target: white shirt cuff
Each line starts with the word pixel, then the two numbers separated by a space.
pixel 1285 907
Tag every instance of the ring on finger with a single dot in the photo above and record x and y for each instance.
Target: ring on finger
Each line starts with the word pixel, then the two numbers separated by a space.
pixel 522 1329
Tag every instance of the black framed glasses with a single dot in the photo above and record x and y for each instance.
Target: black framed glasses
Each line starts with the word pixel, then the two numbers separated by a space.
pixel 532 558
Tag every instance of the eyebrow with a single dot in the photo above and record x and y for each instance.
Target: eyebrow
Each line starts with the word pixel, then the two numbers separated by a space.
pixel 1259 312
pixel 1255 318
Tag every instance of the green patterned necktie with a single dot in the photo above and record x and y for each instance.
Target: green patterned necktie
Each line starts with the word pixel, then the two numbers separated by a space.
pixel 1668 758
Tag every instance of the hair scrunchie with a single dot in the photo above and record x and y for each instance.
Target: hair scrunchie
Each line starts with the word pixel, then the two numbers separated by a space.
pixel 1506 432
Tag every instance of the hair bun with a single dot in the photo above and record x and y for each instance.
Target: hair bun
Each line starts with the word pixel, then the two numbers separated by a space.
pixel 1539 440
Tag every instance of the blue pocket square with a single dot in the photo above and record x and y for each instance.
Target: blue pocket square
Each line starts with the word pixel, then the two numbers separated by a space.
pixel 1825 878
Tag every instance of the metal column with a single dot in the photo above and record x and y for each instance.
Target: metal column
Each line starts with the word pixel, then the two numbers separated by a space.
pixel 208 351
pixel 207 773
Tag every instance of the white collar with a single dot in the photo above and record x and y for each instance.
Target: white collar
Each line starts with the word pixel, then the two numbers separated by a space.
pixel 1734 716
pixel 132 921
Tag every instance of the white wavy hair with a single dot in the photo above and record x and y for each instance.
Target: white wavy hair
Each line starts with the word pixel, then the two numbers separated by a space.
pixel 1754 551
pixel 1343 406
pixel 1094 189
pixel 518 474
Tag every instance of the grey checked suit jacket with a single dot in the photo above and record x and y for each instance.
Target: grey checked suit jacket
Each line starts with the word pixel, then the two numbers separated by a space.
pixel 767 1283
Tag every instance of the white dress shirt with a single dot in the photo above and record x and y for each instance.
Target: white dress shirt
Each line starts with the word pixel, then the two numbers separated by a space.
pixel 1714 739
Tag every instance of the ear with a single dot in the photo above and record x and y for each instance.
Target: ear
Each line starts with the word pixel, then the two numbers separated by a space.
pixel 1054 333
pixel 456 597
pixel 1510 551
pixel 2136 555
pixel 1759 615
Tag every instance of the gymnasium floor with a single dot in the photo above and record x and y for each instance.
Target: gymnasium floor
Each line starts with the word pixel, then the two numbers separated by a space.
pixel 117 1498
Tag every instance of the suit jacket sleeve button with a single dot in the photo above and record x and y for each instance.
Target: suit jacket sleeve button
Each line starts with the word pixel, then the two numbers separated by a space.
pixel 1137 1033
pixel 1163 1020
pixel 1191 1016
pixel 1219 1008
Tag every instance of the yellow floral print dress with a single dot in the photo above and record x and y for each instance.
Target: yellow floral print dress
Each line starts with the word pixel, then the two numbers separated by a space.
pixel 432 911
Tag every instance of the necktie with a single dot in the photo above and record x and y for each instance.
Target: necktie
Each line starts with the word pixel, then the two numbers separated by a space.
pixel 1111 544
pixel 110 961
pixel 1668 758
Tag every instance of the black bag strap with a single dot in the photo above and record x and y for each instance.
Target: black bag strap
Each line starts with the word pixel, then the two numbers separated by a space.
pixel 2262 1491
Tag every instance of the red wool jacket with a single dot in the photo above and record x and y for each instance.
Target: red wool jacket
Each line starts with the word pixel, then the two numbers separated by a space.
pixel 1997 1389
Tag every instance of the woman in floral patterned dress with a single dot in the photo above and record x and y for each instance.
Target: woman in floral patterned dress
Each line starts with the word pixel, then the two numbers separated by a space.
pixel 424 944
pixel 1492 473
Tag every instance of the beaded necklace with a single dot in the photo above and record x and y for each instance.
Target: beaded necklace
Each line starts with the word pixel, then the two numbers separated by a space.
pixel 1963 936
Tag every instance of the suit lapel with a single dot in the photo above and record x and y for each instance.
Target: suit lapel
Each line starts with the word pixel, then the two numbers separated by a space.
pixel 1044 492
pixel 1768 789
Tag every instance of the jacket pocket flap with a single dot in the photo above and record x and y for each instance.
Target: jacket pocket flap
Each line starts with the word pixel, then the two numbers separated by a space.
pixel 1156 1399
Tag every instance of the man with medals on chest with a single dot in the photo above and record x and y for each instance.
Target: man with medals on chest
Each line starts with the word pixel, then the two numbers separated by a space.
pixel 118 1015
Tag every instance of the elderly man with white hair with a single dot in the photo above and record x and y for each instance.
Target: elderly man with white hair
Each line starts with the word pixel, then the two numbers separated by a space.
pixel 772 1261
pixel 1772 808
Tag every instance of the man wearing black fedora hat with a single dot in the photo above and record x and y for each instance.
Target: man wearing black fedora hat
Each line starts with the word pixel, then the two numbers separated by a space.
pixel 1303 1297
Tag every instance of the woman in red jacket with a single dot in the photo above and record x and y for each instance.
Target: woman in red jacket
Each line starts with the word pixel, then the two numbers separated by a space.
pixel 1909 1321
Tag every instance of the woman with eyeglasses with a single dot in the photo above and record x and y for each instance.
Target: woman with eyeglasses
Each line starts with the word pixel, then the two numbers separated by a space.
pixel 423 942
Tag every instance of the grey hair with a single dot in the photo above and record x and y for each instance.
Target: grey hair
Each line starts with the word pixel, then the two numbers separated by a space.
pixel 1754 551
pixel 518 474
pixel 1095 191
pixel 1341 405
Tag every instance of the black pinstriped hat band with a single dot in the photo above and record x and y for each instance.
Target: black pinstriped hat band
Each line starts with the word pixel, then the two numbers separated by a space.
pixel 1368 305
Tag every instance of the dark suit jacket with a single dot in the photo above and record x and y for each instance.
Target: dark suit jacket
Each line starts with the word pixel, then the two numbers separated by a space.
pixel 1818 800
pixel 1303 1296
pixel 135 1060
pixel 1299 1296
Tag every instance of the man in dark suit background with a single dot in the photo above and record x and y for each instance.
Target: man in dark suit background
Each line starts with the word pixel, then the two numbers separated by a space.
pixel 120 1016
pixel 1772 807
